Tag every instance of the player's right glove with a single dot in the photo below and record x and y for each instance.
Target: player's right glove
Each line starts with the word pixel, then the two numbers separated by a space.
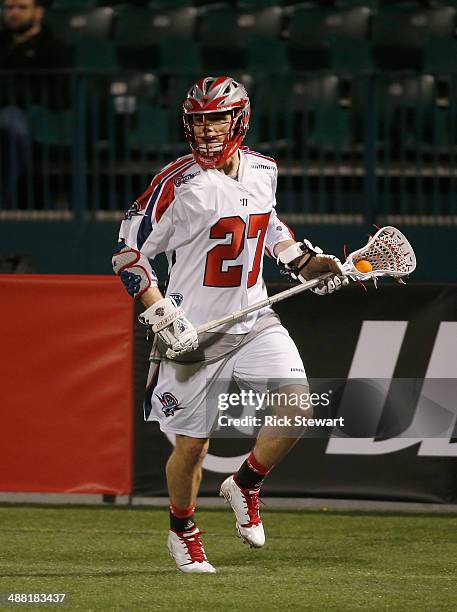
pixel 168 321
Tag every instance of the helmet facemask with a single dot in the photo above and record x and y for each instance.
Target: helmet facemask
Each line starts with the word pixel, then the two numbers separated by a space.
pixel 214 142
pixel 212 146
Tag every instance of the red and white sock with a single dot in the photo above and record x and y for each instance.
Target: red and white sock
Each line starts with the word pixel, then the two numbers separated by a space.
pixel 251 474
pixel 181 519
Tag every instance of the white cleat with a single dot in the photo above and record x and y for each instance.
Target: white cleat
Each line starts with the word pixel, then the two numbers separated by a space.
pixel 187 550
pixel 245 504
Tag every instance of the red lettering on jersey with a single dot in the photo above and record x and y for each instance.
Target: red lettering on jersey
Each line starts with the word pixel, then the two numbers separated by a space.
pixel 258 225
pixel 214 275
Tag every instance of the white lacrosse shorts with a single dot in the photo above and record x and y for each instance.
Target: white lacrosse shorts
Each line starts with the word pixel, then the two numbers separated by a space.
pixel 182 397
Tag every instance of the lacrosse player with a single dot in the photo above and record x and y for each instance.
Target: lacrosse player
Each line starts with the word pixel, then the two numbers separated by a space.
pixel 212 213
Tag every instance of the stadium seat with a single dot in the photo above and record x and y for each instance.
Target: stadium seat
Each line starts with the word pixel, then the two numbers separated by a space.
pixel 224 33
pixel 261 22
pixel 331 131
pixel 152 128
pixel 272 96
pixel 51 128
pixel 311 30
pixel 406 105
pixel 204 4
pixel 138 25
pixel 351 55
pixel 74 4
pixel 71 25
pixel 131 89
pixel 256 4
pixel 221 41
pixel 444 137
pixel 138 33
pixel 179 56
pixel 113 3
pixel 165 5
pixel 326 125
pixel 401 33
pixel 406 91
pixel 266 54
pixel 178 86
pixel 95 54
pixel 440 55
pixel 371 4
pixel 305 111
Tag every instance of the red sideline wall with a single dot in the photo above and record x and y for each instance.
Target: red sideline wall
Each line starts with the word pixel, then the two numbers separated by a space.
pixel 67 392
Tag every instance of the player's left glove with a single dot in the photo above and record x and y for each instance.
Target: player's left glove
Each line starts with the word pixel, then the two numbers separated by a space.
pixel 168 321
pixel 303 261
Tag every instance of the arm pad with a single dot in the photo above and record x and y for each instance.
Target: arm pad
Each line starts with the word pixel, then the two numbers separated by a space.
pixel 134 270
pixel 293 259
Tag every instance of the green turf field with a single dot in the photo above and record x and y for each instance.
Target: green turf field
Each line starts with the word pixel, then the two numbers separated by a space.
pixel 115 559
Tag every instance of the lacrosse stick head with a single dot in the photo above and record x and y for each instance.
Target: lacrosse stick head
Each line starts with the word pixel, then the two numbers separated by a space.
pixel 389 254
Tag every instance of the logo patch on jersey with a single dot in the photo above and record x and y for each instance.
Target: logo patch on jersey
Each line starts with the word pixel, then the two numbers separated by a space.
pixel 169 403
pixel 178 298
pixel 159 311
pixel 134 211
pixel 181 179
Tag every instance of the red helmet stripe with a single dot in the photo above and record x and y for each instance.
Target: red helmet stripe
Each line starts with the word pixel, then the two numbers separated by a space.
pixel 214 104
pixel 201 83
pixel 218 82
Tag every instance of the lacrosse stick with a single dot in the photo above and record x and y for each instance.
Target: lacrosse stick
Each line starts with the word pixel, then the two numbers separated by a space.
pixel 388 252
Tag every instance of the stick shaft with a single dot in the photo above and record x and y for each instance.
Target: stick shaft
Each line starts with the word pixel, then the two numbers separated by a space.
pixel 283 295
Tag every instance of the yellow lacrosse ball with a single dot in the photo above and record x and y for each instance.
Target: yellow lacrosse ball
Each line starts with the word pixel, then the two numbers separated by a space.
pixel 364 266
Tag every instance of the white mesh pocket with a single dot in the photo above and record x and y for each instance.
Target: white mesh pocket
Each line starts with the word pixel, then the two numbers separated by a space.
pixel 389 253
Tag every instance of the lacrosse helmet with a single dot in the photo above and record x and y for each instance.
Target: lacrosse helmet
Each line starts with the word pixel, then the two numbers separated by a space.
pixel 216 95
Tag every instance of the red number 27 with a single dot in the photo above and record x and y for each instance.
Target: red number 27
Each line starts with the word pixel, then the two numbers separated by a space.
pixel 215 276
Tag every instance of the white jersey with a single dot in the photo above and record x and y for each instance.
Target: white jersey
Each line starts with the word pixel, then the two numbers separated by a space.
pixel 214 231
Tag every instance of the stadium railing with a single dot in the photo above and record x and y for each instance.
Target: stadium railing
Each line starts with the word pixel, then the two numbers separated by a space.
pixel 352 148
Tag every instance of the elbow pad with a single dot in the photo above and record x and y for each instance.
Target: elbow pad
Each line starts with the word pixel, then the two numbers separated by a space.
pixel 134 270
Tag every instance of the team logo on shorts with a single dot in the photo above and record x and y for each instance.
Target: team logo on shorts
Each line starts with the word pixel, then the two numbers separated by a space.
pixel 169 403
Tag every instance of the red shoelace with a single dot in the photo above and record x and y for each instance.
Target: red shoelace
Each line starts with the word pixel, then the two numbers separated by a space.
pixel 194 546
pixel 251 497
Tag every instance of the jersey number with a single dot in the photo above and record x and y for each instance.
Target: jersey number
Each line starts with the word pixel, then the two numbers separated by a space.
pixel 215 276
